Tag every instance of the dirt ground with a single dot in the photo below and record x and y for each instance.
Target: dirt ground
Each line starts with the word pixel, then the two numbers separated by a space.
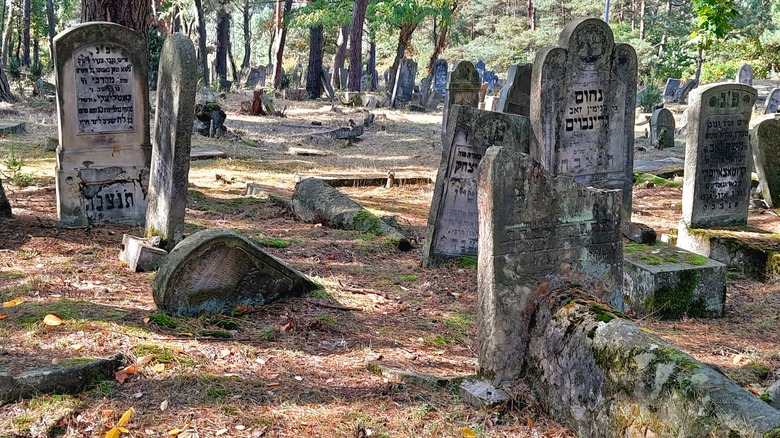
pixel 298 367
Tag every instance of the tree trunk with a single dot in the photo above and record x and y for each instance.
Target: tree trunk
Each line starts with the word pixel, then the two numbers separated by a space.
pixel 356 44
pixel 440 44
pixel 531 14
pixel 202 51
pixel 338 58
pixel 404 37
pixel 247 16
pixel 7 31
pixel 223 41
pixel 25 61
pixel 283 8
pixel 371 67
pixel 699 63
pixel 52 24
pixel 5 88
pixel 175 19
pixel 642 19
pixel 313 76
pixel 134 14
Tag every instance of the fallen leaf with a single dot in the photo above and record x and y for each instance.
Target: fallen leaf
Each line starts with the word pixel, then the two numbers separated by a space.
pixel 138 394
pixel 76 347
pixel 737 358
pixel 468 433
pixel 14 302
pixel 288 326
pixel 146 320
pixel 164 405
pixel 224 353
pixel 52 320
pixel 240 427
pixel 143 360
pixel 3 315
pixel 221 431
pixel 174 432
pixel 113 433
pixel 123 429
pixel 124 373
pixel 189 433
pixel 158 368
pixel 125 417
pixel 753 390
pixel 241 309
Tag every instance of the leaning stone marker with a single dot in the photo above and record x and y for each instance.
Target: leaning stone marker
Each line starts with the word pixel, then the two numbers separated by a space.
pixel 681 95
pixel 176 84
pixel 462 89
pixel 662 128
pixel 716 185
pixel 670 89
pixel 103 106
pixel 452 220
pixel 745 74
pixel 215 270
pixel 537 233
pixel 583 95
pixel 516 93
pixel 766 156
pixel 772 101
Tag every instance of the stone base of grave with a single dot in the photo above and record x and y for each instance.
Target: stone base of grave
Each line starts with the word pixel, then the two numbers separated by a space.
pixel 139 256
pixel 481 394
pixel 12 127
pixel 206 154
pixel 747 250
pixel 669 282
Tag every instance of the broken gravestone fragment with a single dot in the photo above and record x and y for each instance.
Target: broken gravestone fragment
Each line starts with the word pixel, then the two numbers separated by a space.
pixel 5 206
pixel 141 255
pixel 316 202
pixel 215 270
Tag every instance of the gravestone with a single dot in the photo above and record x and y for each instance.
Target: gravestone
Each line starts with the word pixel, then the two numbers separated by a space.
pixel 745 75
pixel 256 76
pixel 452 220
pixel 772 101
pixel 662 128
pixel 480 66
pixel 670 89
pixel 490 78
pixel 5 206
pixel 716 185
pixel 765 142
pixel 343 77
pixel 214 271
pixel 440 76
pixel 681 95
pixel 516 93
pixel 269 75
pixel 583 96
pixel 178 79
pixel 404 84
pixel 537 233
pixel 103 106
pixel 462 89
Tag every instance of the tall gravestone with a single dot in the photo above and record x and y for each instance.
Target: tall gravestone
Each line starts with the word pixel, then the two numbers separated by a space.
pixel 516 93
pixel 765 142
pixel 480 66
pixel 178 79
pixel 745 74
pixel 772 101
pixel 583 95
pixel 462 89
pixel 681 95
pixel 5 206
pixel 537 232
pixel 452 230
pixel 440 76
pixel 716 185
pixel 404 84
pixel 490 78
pixel 670 89
pixel 103 105
pixel 662 128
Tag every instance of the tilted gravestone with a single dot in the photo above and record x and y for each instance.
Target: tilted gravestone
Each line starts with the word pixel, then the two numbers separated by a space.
pixel 765 142
pixel 452 219
pixel 103 105
pixel 404 84
pixel 670 89
pixel 214 271
pixel 516 93
pixel 745 74
pixel 440 76
pixel 176 84
pixel 772 101
pixel 716 185
pixel 583 95
pixel 5 206
pixel 662 128
pixel 537 232
pixel 681 95
pixel 462 89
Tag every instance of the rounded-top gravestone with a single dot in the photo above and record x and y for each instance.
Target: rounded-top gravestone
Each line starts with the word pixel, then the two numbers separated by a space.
pixel 772 101
pixel 662 128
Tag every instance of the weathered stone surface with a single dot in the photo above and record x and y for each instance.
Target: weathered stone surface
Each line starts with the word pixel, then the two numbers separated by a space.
pixel 256 76
pixel 662 129
pixel 405 79
pixel 480 394
pixel 745 74
pixel 583 96
pixel 452 219
pixel 670 89
pixel 5 206
pixel 516 93
pixel 604 376
pixel 140 256
pixel 103 106
pixel 13 127
pixel 462 89
pixel 177 79
pixel 440 76
pixel 772 101
pixel 668 282
pixel 480 66
pixel 765 142
pixel 394 374
pixel 716 186
pixel 536 233
pixel 639 233
pixel 681 95
pixel 215 270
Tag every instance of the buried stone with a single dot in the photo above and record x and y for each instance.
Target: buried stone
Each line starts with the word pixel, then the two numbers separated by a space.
pixel 214 271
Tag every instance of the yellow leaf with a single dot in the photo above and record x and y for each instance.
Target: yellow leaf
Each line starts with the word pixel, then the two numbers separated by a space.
pixel 52 320
pixel 468 433
pixel 174 432
pixel 13 303
pixel 76 347
pixel 123 429
pixel 737 358
pixel 3 315
pixel 160 367
pixel 113 433
pixel 125 417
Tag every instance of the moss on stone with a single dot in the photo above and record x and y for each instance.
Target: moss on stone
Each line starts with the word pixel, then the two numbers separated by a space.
pixel 674 301
pixel 367 221
pixel 696 260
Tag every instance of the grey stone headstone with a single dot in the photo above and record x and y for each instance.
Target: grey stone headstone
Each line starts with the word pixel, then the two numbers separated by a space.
pixel 772 101
pixel 404 84
pixel 462 89
pixel 745 74
pixel 269 75
pixel 480 66
pixel 440 76
pixel 178 79
pixel 103 106
pixel 765 142
pixel 662 128
pixel 343 76
pixel 453 228
pixel 215 270
pixel 5 206
pixel 491 79
pixel 681 95
pixel 670 89
pixel 537 232
pixel 583 96
pixel 256 76
pixel 516 94
pixel 716 185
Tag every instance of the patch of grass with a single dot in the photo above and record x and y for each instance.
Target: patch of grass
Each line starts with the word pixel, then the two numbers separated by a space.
pixel 267 333
pixel 696 260
pixel 734 276
pixel 217 393
pixel 229 410
pixel 162 353
pixel 459 321
pixel 440 340
pixel 408 277
pixel 322 294
pixel 657 180
pixel 222 334
pixel 103 389
pixel 327 320
pixel 273 243
pixel 162 320
pixel 23 422
pixel 468 262
pixel 226 324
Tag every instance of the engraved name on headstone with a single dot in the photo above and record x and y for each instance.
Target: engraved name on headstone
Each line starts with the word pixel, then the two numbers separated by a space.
pixel 440 76
pixel 104 88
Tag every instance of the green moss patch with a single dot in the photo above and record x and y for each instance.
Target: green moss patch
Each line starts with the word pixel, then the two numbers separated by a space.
pixel 674 301
pixel 640 178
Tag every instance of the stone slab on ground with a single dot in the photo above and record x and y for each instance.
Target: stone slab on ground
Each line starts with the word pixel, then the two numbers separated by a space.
pixel 481 394
pixel 394 374
pixel 12 127
pixel 665 167
pixel 669 282
pixel 365 179
pixel 206 153
pixel 750 251
pixel 139 255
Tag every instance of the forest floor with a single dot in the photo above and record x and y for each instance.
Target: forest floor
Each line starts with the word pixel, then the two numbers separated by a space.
pixel 298 367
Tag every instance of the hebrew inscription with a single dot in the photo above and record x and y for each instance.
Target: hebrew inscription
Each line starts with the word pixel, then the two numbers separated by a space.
pixel 104 84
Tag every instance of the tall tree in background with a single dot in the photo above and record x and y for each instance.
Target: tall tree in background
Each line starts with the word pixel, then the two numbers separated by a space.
pixel 404 16
pixel 339 57
pixel 247 10
pixel 203 53
pixel 52 24
pixel 713 22
pixel 26 34
pixel 282 13
pixel 223 41
pixel 441 31
pixel 314 69
pixel 356 44
pixel 134 14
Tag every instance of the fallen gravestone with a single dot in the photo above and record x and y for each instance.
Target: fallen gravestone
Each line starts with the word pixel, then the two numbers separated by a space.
pixel 670 89
pixel 176 84
pixel 772 101
pixel 214 271
pixel 662 129
pixel 745 74
pixel 5 206
pixel 453 229
pixel 516 93
pixel 140 255
pixel 103 106
pixel 765 141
